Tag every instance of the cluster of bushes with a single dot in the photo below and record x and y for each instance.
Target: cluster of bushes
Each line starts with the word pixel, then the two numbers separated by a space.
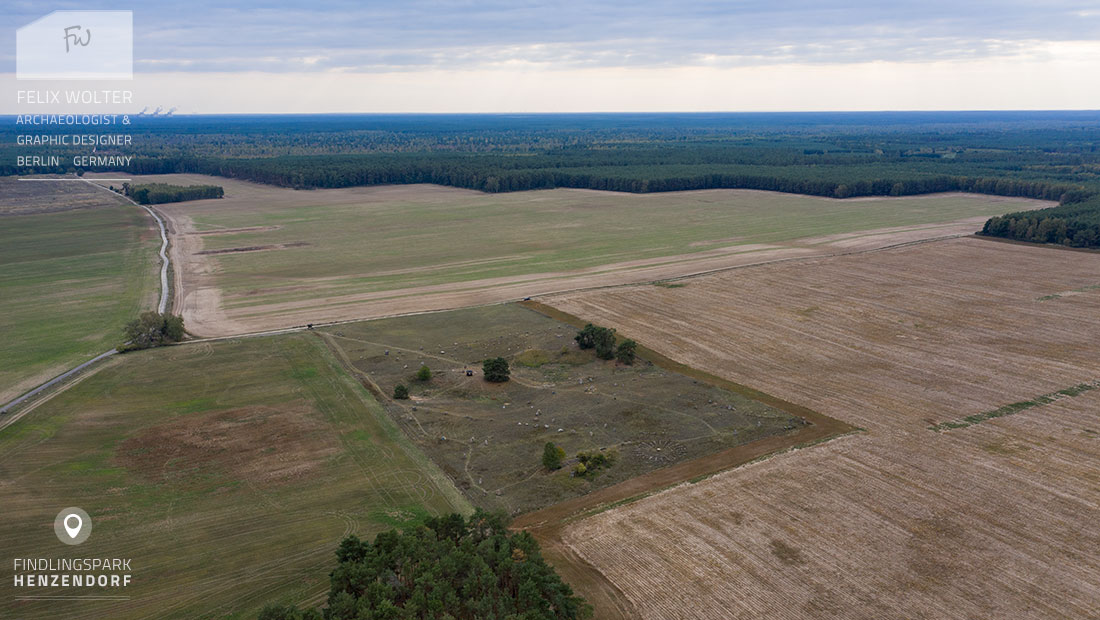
pixel 449 567
pixel 591 462
pixel 553 457
pixel 159 193
pixel 152 329
pixel 602 339
pixel 1075 223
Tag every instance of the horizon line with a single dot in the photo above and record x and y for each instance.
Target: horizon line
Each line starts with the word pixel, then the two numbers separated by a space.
pixel 572 113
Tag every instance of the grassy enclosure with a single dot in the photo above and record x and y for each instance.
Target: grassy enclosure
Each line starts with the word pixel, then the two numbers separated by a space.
pixel 228 472
pixel 490 437
pixel 70 281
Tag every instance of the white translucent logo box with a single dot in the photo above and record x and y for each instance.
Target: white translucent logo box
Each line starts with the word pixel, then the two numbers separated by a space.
pixel 76 45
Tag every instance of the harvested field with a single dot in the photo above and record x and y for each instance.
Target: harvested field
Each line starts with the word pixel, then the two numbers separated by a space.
pixel 993 520
pixel 27 197
pixel 379 251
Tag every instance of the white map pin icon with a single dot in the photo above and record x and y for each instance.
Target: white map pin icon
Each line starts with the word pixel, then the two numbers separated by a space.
pixel 73 531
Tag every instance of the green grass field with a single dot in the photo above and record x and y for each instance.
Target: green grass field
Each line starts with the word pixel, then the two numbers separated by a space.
pixel 69 282
pixel 440 237
pixel 228 472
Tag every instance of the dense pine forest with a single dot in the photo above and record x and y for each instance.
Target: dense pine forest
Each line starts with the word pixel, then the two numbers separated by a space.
pixel 448 567
pixel 1047 155
pixel 1075 223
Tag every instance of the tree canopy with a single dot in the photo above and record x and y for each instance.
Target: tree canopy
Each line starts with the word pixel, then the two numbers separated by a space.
pixel 627 352
pixel 552 456
pixel 496 370
pixel 448 568
pixel 153 329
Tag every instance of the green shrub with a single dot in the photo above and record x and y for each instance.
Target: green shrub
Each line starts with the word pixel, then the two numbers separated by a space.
pixel 552 456
pixel 627 352
pixel 496 370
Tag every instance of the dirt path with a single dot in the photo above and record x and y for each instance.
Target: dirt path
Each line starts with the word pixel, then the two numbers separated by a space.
pixel 8 420
pixel 162 304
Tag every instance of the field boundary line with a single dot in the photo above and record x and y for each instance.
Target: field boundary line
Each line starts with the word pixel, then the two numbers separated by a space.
pixel 340 363
pixel 1049 246
pixel 1016 407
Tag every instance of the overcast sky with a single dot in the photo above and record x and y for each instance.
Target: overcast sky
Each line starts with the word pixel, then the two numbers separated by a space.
pixel 347 56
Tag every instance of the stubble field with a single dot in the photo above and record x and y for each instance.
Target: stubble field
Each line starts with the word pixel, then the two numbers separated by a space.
pixel 992 520
pixel 265 257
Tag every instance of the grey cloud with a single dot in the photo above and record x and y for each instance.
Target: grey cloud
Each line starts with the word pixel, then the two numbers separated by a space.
pixel 279 36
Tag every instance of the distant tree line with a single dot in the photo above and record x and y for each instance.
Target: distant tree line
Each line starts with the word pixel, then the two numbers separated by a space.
pixel 636 172
pixel 159 193
pixel 1043 155
pixel 448 568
